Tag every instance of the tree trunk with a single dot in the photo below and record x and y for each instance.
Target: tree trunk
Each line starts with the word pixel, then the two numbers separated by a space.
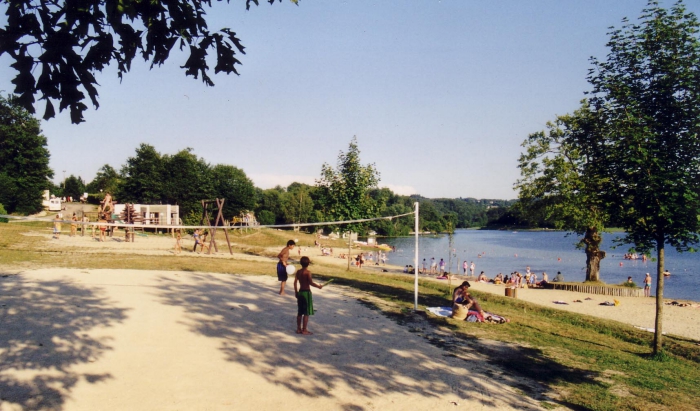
pixel 592 239
pixel 659 296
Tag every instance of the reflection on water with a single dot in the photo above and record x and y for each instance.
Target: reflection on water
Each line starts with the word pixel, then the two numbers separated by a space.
pixel 506 251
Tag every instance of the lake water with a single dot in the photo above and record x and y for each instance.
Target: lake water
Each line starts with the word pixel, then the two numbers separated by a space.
pixel 541 251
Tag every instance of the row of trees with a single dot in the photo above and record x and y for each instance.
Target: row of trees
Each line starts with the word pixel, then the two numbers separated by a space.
pixel 347 191
pixel 630 155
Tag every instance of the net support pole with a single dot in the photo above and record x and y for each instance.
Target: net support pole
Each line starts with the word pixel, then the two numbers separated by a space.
pixel 415 262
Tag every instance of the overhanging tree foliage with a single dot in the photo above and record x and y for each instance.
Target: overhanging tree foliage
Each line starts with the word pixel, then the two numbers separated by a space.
pixel 59 46
pixel 24 159
pixel 647 97
pixel 557 184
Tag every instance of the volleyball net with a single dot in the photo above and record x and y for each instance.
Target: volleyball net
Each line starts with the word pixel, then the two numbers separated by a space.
pixel 119 224
pixel 51 221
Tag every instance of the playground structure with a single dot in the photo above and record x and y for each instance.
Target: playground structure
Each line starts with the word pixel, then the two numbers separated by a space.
pixel 244 221
pixel 130 216
pixel 209 207
pixel 106 208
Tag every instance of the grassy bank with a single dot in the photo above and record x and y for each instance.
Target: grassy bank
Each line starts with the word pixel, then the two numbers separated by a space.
pixel 557 357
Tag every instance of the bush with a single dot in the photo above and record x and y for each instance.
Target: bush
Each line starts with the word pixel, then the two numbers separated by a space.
pixel 266 217
pixel 630 285
pixel 95 199
pixel 3 212
pixel 192 218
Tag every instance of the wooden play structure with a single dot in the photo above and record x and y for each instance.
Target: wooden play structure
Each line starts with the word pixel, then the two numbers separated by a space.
pixel 244 221
pixel 106 207
pixel 130 216
pixel 209 208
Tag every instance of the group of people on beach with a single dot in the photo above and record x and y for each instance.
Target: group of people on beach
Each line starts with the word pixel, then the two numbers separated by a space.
pixel 302 286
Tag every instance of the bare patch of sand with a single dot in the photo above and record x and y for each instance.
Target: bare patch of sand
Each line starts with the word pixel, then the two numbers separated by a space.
pixel 141 340
pixel 636 311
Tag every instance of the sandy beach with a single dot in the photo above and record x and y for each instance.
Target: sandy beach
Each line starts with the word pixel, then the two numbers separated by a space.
pixel 144 340
pixel 636 311
pixel 82 339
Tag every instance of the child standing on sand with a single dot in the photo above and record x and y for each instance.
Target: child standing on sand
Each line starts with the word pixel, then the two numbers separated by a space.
pixel 283 256
pixel 302 290
pixel 178 239
pixel 73 225
pixel 57 227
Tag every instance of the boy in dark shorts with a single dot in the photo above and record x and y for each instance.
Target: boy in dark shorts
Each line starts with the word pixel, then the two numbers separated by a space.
pixel 305 303
pixel 282 265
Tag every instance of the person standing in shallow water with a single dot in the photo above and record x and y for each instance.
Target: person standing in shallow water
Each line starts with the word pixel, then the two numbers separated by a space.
pixel 283 256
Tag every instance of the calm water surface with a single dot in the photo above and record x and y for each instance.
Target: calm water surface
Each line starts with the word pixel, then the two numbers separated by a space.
pixel 506 251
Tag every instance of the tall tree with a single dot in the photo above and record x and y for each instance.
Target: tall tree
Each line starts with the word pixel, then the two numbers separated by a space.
pixel 73 187
pixel 298 205
pixel 24 159
pixel 345 190
pixel 647 93
pixel 232 184
pixel 269 206
pixel 556 184
pixel 106 180
pixel 64 43
pixel 186 181
pixel 143 177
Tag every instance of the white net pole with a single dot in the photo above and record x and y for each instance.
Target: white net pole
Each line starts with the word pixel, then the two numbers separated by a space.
pixel 415 262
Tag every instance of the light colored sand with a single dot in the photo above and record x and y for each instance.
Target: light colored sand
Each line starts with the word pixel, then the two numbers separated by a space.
pixel 636 311
pixel 135 340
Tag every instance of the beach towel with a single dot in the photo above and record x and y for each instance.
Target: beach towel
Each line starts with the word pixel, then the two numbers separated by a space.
pixel 440 311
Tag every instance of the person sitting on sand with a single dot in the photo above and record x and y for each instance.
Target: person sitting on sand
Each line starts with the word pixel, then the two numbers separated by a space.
pixel 483 278
pixel 498 279
pixel 559 278
pixel 506 279
pixel 462 302
pixel 545 280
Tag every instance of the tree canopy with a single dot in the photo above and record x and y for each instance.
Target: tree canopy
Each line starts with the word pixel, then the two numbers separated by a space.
pixel 24 159
pixel 558 185
pixel 646 95
pixel 59 46
pixel 344 191
pixel 630 155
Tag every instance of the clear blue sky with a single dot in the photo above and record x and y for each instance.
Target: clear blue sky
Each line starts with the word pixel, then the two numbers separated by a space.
pixel 440 94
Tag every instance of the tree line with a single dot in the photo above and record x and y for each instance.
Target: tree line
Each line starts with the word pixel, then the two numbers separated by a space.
pixel 344 192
